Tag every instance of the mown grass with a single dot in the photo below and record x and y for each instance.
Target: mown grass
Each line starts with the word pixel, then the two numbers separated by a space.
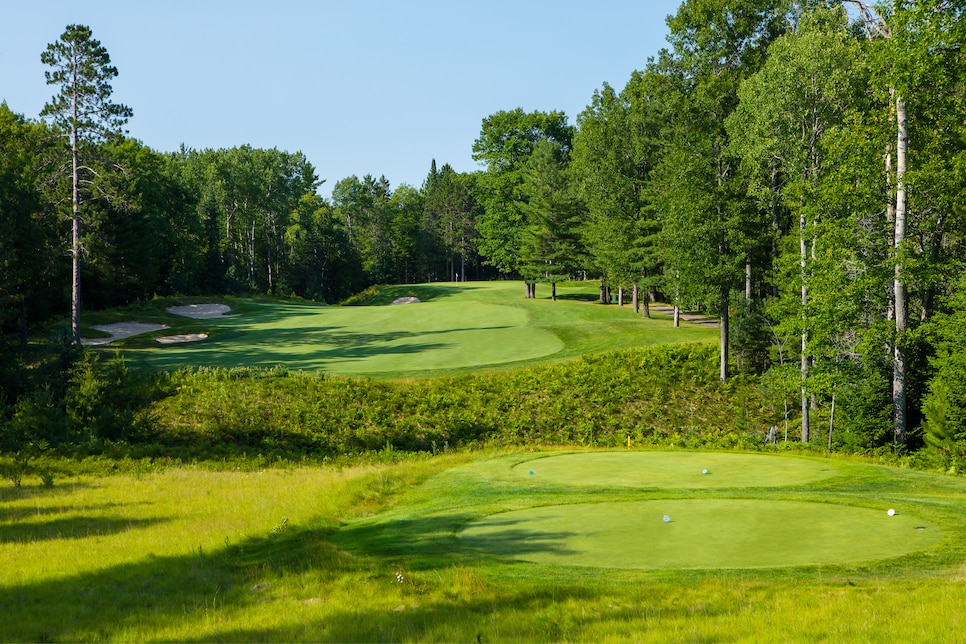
pixel 371 552
pixel 455 329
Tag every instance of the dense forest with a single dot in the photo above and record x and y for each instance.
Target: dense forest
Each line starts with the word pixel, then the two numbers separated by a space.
pixel 795 168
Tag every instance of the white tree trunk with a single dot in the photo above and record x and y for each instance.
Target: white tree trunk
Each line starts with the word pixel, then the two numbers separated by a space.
pixel 899 287
pixel 803 258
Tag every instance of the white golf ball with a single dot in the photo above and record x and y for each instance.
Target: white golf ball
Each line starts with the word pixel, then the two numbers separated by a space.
pixel 667 519
pixel 891 512
pixel 704 471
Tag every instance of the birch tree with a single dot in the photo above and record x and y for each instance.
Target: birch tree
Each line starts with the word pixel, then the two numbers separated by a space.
pixel 811 82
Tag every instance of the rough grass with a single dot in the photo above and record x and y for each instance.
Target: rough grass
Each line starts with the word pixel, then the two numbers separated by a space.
pixel 370 552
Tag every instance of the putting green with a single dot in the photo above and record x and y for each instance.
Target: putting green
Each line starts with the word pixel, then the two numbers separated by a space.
pixel 675 469
pixel 707 533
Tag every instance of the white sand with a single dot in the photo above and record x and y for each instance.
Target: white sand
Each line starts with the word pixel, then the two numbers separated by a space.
pixel 121 330
pixel 200 311
pixel 406 300
pixel 187 337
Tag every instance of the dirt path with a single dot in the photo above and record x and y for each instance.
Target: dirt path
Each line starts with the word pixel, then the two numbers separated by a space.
pixel 687 317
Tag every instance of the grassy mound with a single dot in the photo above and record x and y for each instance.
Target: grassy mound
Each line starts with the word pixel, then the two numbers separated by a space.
pixel 661 396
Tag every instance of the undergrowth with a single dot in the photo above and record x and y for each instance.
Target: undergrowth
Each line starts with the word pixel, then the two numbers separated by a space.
pixel 663 397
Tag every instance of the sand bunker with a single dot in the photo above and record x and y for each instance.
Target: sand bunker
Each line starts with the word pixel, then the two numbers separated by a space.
pixel 187 337
pixel 121 330
pixel 200 311
pixel 406 300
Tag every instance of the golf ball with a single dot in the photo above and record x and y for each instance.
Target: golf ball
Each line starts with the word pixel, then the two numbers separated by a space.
pixel 667 519
pixel 891 512
pixel 704 471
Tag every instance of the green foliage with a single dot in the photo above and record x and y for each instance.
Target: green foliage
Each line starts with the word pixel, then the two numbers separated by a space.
pixel 941 435
pixel 506 142
pixel 667 396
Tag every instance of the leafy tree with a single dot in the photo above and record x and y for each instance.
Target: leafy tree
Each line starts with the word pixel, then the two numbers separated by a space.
pixel 811 82
pixel 406 211
pixel 363 205
pixel 946 400
pixel 709 227
pixel 321 263
pixel 25 243
pixel 506 141
pixel 615 149
pixel 918 65
pixel 244 198
pixel 83 113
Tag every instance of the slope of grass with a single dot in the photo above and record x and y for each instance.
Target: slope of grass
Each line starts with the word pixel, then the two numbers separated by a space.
pixel 371 552
pixel 455 328
pixel 656 396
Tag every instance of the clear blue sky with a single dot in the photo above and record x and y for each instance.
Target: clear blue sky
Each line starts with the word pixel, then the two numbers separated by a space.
pixel 360 86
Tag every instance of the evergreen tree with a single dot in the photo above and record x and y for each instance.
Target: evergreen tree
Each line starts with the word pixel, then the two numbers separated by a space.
pixel 83 113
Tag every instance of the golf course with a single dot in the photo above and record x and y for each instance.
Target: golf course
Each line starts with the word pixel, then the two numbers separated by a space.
pixel 450 329
pixel 471 466
pixel 354 323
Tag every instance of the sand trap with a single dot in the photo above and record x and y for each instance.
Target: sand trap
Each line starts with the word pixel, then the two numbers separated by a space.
pixel 406 300
pixel 187 337
pixel 200 311
pixel 121 330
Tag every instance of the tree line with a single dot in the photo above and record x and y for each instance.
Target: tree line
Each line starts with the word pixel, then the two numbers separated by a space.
pixel 794 168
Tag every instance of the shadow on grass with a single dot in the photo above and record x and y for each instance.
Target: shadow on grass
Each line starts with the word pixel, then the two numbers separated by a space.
pixel 533 614
pixel 149 595
pixel 294 347
pixel 23 513
pixel 424 541
pixel 578 297
pixel 14 493
pixel 70 528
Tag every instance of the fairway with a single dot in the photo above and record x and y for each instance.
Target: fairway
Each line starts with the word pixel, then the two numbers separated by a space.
pixel 675 469
pixel 360 340
pixel 453 328
pixel 707 533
